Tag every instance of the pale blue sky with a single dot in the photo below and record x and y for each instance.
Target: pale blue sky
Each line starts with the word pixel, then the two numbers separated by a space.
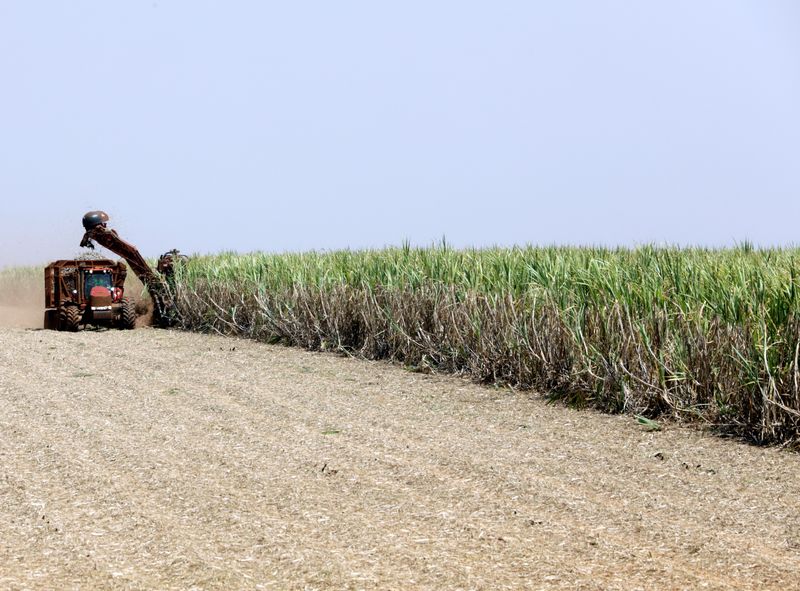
pixel 317 125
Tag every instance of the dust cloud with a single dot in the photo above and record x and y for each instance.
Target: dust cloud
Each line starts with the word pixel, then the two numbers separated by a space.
pixel 21 306
pixel 18 317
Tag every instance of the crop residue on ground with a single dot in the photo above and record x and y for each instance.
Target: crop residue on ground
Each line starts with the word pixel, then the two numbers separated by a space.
pixel 160 459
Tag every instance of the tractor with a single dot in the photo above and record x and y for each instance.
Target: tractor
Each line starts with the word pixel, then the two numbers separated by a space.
pixel 79 292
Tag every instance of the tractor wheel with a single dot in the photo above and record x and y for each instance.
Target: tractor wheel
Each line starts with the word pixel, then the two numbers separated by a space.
pixel 127 318
pixel 69 318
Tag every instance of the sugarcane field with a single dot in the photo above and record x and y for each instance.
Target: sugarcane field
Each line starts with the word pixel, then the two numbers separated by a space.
pixel 452 296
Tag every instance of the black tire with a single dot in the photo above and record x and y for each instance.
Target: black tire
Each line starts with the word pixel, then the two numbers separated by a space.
pixel 69 318
pixel 127 318
pixel 50 319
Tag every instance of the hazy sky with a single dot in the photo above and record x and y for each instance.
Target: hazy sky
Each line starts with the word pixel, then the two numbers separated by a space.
pixel 316 125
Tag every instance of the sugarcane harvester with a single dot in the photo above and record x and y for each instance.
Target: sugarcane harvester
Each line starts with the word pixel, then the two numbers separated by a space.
pixel 157 282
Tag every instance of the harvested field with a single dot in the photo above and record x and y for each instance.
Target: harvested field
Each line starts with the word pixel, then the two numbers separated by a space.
pixel 169 460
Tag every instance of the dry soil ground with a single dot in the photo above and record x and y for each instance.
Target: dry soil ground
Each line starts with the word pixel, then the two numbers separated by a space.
pixel 163 460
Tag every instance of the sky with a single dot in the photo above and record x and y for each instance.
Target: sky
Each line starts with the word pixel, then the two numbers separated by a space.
pixel 288 126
